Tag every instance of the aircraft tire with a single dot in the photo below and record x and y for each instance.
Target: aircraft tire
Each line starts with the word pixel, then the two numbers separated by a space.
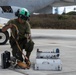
pixel 4 36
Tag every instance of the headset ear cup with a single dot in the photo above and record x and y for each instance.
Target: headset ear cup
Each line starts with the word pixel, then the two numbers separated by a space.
pixel 17 13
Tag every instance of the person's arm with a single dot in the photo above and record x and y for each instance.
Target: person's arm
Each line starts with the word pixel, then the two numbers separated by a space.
pixel 28 31
pixel 7 27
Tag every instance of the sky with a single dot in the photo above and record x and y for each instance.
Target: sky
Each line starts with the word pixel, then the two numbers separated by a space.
pixel 60 10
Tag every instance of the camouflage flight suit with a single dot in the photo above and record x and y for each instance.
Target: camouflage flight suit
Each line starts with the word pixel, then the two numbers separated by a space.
pixel 22 40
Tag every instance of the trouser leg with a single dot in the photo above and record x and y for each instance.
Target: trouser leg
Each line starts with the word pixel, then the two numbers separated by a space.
pixel 28 55
pixel 28 48
pixel 17 53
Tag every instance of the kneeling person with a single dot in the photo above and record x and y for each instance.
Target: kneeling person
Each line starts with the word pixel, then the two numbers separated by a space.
pixel 20 36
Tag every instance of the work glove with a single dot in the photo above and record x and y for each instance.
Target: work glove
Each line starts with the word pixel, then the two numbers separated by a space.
pixel 28 62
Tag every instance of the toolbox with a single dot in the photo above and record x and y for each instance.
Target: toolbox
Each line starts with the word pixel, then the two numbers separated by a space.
pixel 48 54
pixel 48 64
pixel 49 60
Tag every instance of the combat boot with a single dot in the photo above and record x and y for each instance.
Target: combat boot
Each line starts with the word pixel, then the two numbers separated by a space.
pixel 22 65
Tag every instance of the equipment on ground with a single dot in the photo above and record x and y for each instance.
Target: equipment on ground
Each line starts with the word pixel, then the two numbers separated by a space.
pixel 44 61
pixel 8 61
pixel 48 55
pixel 48 60
pixel 5 57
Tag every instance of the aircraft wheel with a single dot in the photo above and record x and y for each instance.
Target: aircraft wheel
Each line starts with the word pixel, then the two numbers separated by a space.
pixel 4 36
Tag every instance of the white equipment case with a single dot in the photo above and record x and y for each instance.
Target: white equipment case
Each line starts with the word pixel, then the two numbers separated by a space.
pixel 48 61
pixel 51 54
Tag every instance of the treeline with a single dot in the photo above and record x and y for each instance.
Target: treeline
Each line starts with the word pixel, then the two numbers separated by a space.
pixel 64 21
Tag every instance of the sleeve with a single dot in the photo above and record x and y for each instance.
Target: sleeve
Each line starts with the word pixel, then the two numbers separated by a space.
pixel 8 22
pixel 14 31
pixel 28 28
pixel 6 27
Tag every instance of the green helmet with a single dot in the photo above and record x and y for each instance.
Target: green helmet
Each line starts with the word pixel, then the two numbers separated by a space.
pixel 24 12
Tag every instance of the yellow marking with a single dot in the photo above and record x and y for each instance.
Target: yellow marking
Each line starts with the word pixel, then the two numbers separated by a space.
pixel 0 26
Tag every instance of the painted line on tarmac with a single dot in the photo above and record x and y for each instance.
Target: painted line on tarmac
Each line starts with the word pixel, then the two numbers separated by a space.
pixel 44 45
pixel 56 45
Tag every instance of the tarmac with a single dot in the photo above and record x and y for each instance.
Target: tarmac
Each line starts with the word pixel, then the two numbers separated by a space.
pixel 47 40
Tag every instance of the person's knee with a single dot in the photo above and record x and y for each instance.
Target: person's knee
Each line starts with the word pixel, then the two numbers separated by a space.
pixel 29 46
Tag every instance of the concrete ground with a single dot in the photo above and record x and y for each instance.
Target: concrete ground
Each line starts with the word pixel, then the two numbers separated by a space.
pixel 46 40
